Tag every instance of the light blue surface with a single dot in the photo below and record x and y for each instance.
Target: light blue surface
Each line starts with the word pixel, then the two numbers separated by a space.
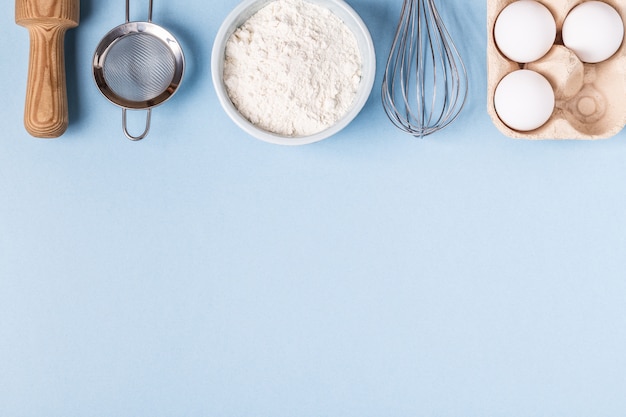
pixel 201 272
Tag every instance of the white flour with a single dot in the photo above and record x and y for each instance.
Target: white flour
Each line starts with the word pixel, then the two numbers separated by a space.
pixel 293 68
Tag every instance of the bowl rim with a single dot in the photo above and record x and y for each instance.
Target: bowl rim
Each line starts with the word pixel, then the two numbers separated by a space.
pixel 247 8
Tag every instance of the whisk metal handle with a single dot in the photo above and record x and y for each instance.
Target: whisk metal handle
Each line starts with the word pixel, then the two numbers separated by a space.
pixel 146 130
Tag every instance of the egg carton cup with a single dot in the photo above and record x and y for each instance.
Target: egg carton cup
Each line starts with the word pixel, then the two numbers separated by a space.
pixel 590 99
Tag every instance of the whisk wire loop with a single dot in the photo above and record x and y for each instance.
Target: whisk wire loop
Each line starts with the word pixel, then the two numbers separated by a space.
pixel 425 82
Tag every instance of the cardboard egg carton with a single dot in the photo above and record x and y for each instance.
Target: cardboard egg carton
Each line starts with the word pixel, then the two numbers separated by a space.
pixel 590 98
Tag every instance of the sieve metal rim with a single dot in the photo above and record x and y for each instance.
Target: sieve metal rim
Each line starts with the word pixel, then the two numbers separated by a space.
pixel 144 29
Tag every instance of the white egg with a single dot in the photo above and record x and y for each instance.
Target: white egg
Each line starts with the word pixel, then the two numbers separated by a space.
pixel 525 31
pixel 524 100
pixel 594 31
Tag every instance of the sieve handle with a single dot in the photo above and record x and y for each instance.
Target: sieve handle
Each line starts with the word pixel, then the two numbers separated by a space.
pixel 150 7
pixel 45 112
pixel 146 130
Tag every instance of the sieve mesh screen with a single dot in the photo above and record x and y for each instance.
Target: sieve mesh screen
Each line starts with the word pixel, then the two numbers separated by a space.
pixel 139 67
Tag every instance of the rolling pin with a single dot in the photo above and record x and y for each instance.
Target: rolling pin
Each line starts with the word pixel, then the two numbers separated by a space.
pixel 45 111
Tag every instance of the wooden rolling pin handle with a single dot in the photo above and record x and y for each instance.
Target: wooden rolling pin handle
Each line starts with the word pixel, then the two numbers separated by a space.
pixel 46 112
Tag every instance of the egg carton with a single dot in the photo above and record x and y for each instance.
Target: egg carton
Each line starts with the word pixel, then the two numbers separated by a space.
pixel 590 99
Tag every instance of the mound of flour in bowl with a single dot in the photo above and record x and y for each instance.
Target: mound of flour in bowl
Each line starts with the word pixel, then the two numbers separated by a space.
pixel 293 68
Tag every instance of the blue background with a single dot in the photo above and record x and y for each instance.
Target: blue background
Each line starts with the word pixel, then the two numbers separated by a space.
pixel 202 272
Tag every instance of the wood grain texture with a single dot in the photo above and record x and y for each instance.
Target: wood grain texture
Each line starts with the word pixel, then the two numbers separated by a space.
pixel 48 11
pixel 46 110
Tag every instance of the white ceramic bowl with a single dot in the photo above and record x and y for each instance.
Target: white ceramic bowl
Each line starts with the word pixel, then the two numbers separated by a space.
pixel 343 11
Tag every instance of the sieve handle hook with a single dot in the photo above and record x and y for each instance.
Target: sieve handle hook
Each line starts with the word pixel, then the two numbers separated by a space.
pixel 145 132
pixel 128 11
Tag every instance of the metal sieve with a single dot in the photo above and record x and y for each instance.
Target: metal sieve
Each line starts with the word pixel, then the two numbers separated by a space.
pixel 137 66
